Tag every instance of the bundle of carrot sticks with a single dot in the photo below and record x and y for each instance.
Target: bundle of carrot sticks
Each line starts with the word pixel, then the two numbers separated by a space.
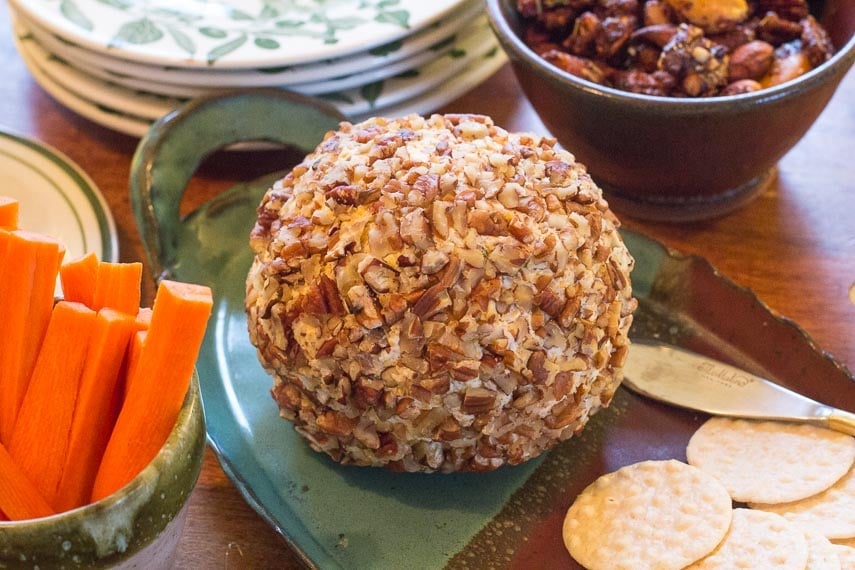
pixel 90 385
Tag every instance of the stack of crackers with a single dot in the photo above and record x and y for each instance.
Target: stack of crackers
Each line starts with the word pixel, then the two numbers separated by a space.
pixel 765 495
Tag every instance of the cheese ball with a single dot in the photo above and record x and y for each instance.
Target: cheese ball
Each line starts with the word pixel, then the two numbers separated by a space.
pixel 438 294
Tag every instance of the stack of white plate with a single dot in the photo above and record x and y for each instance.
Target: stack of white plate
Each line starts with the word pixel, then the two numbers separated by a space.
pixel 126 63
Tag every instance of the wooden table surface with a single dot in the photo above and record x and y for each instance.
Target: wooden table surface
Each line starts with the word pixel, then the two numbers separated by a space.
pixel 794 246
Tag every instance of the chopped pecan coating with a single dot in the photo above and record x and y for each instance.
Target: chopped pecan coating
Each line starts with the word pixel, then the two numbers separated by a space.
pixel 458 304
pixel 336 423
pixel 478 400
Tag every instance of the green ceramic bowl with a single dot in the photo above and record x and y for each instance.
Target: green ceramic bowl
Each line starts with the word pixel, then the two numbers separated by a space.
pixel 136 527
pixel 677 159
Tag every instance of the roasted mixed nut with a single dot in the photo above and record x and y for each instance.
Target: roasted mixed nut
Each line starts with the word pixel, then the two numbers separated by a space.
pixel 677 48
pixel 438 294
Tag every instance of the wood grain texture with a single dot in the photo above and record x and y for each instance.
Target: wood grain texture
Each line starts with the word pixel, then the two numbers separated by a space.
pixel 794 246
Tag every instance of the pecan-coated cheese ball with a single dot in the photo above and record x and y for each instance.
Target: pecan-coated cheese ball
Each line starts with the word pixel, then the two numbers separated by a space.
pixel 437 294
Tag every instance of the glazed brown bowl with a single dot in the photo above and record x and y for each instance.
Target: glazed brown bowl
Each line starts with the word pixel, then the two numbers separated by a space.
pixel 677 159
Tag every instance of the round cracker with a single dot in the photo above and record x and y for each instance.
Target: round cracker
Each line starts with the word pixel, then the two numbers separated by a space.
pixel 821 555
pixel 831 513
pixel 758 539
pixel 770 462
pixel 846 554
pixel 665 514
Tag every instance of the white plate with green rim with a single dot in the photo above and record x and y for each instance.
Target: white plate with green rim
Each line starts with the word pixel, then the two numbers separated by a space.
pixel 474 41
pixel 56 197
pixel 116 69
pixel 233 34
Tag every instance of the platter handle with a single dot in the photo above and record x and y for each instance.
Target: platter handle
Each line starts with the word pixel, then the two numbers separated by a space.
pixel 174 147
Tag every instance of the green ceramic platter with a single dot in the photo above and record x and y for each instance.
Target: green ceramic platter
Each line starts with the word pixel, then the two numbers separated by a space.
pixel 349 517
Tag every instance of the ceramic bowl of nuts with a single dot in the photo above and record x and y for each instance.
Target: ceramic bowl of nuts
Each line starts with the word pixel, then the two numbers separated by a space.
pixel 680 109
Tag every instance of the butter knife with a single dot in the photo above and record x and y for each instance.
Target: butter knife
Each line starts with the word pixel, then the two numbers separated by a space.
pixel 689 380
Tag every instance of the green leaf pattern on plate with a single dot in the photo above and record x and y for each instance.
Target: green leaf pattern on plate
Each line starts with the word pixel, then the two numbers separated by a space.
pixel 399 17
pixel 226 48
pixel 142 31
pixel 182 40
pixel 266 43
pixel 371 92
pixel 268 11
pixel 409 74
pixel 215 33
pixel 73 14
pixel 439 46
pixel 319 19
pixel 120 4
pixel 236 14
pixel 386 49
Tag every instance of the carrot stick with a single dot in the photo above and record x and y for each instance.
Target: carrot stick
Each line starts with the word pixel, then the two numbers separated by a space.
pixel 20 499
pixel 143 320
pixel 39 442
pixel 8 213
pixel 141 323
pixel 78 279
pixel 132 361
pixel 118 287
pixel 159 383
pixel 28 266
pixel 60 256
pixel 96 409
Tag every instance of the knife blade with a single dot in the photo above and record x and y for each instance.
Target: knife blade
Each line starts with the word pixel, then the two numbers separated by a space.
pixel 689 380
